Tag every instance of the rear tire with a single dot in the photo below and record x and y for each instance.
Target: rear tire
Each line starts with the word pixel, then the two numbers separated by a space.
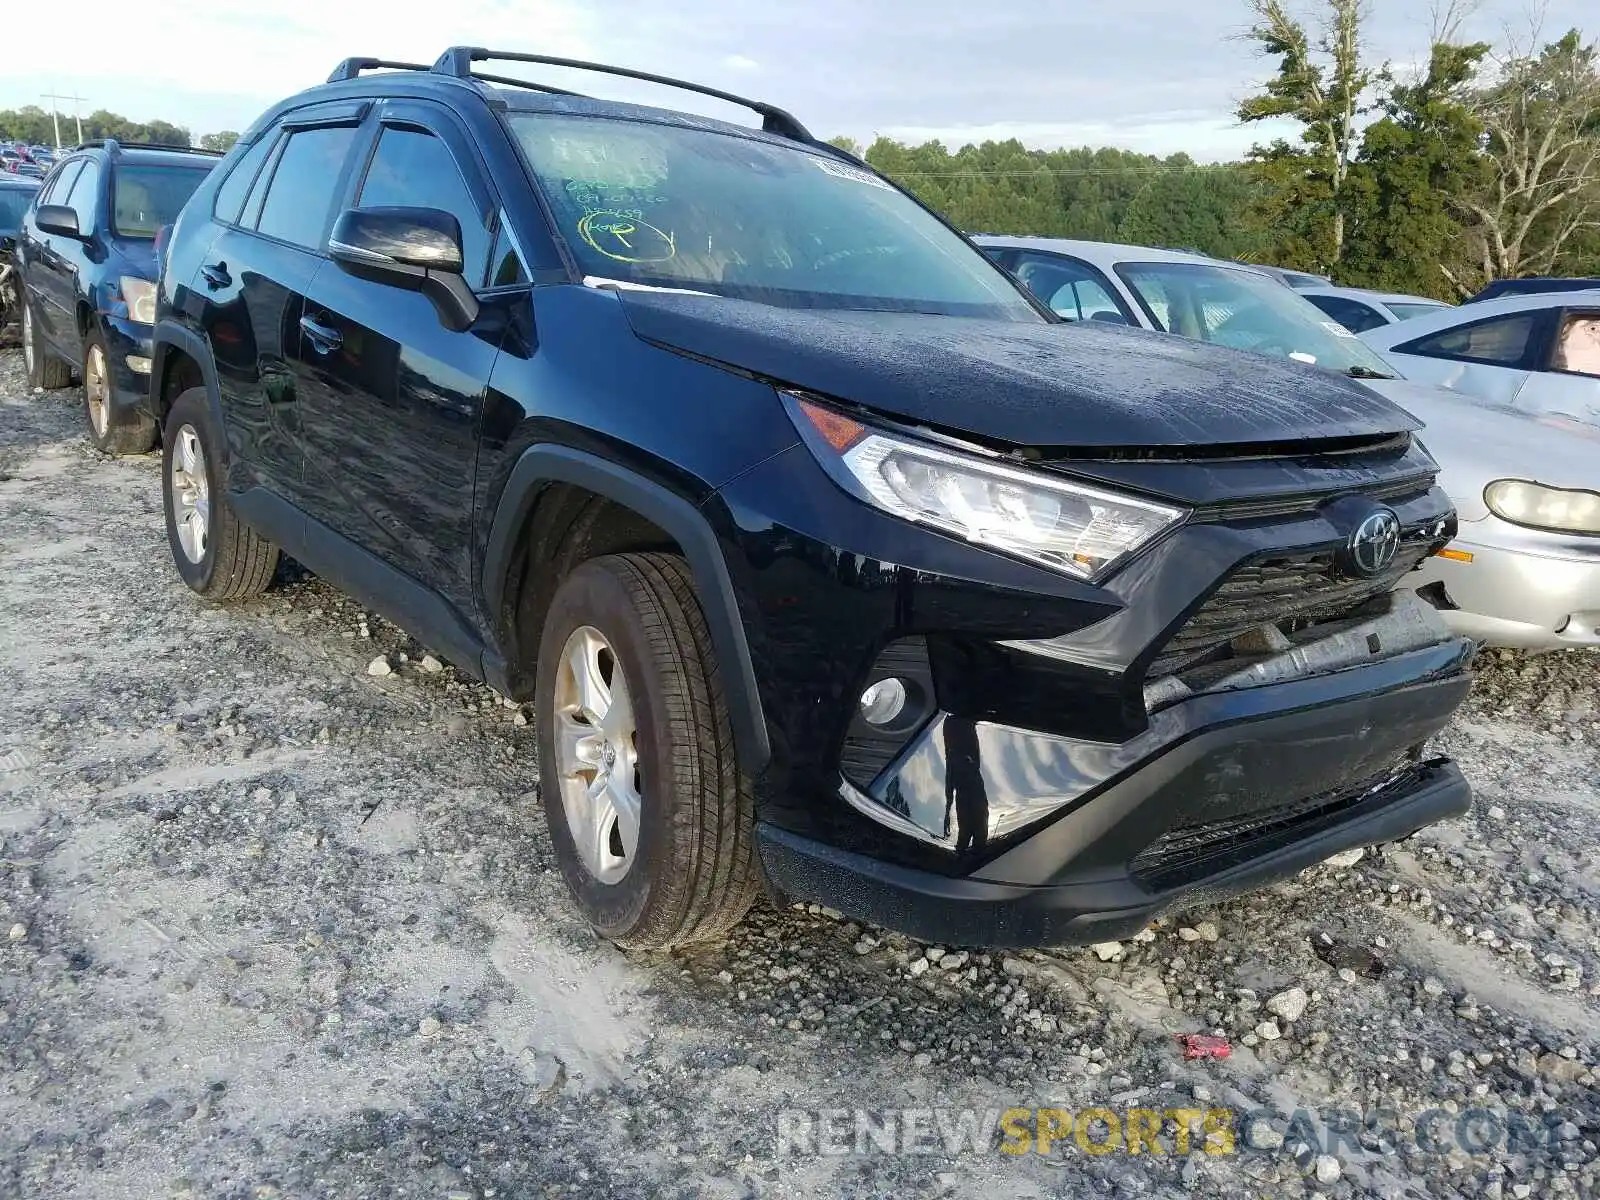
pixel 217 555
pixel 690 874
pixel 43 370
pixel 127 433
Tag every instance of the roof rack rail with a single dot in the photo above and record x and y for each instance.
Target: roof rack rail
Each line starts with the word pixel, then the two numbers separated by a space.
pixel 113 145
pixel 457 62
pixel 352 67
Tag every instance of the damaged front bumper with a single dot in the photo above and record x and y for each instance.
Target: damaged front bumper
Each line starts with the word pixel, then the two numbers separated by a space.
pixel 1265 764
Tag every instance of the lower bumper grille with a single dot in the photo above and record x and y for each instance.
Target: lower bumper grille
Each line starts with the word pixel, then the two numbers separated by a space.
pixel 1193 850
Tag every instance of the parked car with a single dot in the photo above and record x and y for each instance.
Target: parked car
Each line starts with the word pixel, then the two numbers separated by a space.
pixel 1359 309
pixel 821 551
pixel 1536 354
pixel 1299 280
pixel 86 258
pixel 1524 570
pixel 1533 285
pixel 16 193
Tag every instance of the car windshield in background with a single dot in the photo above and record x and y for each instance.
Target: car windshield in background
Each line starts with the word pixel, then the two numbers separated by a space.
pixel 663 206
pixel 147 197
pixel 1405 312
pixel 1247 311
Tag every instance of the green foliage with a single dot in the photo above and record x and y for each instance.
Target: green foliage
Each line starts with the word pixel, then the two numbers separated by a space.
pixel 34 124
pixel 219 141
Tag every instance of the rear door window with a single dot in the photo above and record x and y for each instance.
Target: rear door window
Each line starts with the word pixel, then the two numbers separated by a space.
pixel 85 197
pixel 299 199
pixel 60 185
pixel 1352 314
pixel 1499 341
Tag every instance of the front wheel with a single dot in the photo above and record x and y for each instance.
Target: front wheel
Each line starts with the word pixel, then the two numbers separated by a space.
pixel 649 812
pixel 127 433
pixel 217 555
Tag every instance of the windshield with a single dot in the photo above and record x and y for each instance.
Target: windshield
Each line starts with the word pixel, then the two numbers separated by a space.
pixel 147 197
pixel 657 205
pixel 1404 312
pixel 1247 311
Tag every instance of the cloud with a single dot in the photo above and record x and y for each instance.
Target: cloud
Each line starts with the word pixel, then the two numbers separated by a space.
pixel 739 62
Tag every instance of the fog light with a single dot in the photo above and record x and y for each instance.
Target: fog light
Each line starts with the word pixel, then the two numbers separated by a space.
pixel 139 363
pixel 883 702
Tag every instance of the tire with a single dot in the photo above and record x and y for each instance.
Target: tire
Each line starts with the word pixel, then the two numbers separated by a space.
pixel 691 876
pixel 128 433
pixel 224 558
pixel 43 370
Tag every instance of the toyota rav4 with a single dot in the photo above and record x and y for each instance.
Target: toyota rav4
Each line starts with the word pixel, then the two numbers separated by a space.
pixel 830 561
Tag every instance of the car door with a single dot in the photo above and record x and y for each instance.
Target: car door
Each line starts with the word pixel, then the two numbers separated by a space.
pixel 272 213
pixel 1569 385
pixel 390 397
pixel 1492 359
pixel 44 272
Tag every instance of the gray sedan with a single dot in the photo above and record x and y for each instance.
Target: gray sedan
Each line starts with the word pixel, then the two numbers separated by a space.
pixel 1525 568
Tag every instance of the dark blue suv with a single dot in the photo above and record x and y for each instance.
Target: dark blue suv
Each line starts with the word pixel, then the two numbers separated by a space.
pixel 86 255
pixel 830 561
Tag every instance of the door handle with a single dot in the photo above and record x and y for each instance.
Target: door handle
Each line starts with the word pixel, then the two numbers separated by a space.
pixel 216 275
pixel 324 338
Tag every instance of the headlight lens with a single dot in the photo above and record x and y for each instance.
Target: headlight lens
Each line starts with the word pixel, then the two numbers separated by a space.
pixel 1081 530
pixel 140 297
pixel 1540 507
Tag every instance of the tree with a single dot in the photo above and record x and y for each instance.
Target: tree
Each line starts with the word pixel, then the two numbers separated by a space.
pixel 1541 115
pixel 1416 164
pixel 1321 87
pixel 222 141
pixel 1195 208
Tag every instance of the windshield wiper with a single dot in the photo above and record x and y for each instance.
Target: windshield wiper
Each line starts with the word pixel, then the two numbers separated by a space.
pixel 1360 372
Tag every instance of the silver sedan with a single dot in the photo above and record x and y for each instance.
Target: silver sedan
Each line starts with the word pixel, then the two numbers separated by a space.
pixel 1525 569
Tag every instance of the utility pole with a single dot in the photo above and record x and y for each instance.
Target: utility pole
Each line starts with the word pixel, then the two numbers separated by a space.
pixel 55 116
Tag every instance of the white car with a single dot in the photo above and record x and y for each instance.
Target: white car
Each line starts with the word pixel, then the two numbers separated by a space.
pixel 1538 354
pixel 1523 571
pixel 1359 310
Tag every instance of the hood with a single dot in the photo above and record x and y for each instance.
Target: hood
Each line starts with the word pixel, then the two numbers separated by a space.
pixel 1475 443
pixel 1087 384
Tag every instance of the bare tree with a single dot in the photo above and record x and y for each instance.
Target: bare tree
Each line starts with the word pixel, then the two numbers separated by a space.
pixel 1319 84
pixel 1541 116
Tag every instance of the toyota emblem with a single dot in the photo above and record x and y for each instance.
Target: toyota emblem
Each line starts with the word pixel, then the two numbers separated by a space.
pixel 1375 542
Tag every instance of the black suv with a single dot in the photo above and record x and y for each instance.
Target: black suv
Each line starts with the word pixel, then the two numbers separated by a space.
pixel 87 259
pixel 16 193
pixel 829 559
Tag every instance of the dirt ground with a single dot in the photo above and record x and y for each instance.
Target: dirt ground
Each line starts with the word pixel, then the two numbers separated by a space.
pixel 274 926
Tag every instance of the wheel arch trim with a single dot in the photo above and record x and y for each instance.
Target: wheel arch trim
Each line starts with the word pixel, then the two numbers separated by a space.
pixel 170 335
pixel 544 464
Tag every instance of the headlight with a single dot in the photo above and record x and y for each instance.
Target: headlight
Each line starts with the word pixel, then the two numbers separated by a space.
pixel 1081 530
pixel 140 297
pixel 1540 507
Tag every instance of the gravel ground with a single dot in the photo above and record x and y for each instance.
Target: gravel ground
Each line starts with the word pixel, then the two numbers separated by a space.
pixel 272 924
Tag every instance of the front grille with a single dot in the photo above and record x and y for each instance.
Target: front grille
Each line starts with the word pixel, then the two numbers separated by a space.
pixel 1299 590
pixel 1203 845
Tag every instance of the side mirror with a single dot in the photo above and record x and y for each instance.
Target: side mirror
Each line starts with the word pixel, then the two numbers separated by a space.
pixel 416 249
pixel 58 219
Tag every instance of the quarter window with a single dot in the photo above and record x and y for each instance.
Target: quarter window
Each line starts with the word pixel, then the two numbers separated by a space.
pixel 299 198
pixel 230 196
pixel 1352 314
pixel 412 169
pixel 1501 341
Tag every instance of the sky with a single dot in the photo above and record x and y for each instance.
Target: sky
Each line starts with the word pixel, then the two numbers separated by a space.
pixel 1156 76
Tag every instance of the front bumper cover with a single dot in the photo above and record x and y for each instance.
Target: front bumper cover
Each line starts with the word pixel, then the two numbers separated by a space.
pixel 1283 775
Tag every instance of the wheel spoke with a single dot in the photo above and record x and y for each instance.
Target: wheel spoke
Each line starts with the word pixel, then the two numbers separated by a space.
pixel 617 720
pixel 596 833
pixel 578 746
pixel 590 691
pixel 624 803
pixel 190 466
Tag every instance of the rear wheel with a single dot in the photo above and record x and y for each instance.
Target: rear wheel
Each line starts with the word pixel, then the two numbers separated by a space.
pixel 43 370
pixel 649 812
pixel 218 556
pixel 127 433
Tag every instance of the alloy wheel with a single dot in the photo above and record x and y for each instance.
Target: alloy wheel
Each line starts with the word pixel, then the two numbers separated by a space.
pixel 191 494
pixel 597 755
pixel 95 389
